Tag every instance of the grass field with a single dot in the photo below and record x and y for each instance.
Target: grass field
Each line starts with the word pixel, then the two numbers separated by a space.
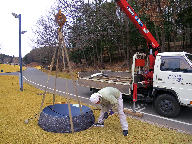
pixel 66 74
pixel 16 106
pixel 10 68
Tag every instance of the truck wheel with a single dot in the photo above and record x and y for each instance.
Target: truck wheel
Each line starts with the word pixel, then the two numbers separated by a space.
pixel 167 105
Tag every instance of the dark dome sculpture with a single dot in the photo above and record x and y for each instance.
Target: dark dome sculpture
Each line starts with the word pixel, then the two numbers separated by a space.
pixel 56 119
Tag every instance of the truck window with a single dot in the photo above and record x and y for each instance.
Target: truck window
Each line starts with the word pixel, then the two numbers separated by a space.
pixel 175 64
pixel 189 56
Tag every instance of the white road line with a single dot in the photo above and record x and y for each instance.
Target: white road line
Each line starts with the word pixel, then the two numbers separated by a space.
pixel 32 82
pixel 168 119
pixel 60 91
pixel 49 88
pixel 43 86
pixel 70 94
pixel 86 98
pixel 82 97
pixel 37 84
pixel 56 90
pixel 63 92
pixel 137 107
pixel 162 117
pixel 40 85
pixel 140 109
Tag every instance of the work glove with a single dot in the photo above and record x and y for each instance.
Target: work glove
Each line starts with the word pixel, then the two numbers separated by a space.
pixel 111 112
pixel 105 115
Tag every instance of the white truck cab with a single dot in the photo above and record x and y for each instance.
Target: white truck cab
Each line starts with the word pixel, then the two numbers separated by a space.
pixel 172 82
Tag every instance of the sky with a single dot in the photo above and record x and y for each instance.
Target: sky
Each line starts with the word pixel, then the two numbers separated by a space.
pixel 30 11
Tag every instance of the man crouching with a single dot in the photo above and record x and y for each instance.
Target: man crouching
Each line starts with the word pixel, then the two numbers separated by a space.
pixel 110 98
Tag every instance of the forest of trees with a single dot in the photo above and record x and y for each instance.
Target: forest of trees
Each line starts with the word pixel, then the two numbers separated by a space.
pixel 99 32
pixel 6 58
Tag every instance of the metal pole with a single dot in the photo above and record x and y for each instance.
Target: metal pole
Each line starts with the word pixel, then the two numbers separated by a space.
pixel 20 58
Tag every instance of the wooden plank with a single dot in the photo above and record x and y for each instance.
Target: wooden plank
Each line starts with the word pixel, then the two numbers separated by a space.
pixel 132 113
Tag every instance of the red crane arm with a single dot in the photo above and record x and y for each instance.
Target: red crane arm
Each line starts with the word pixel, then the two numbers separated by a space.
pixel 128 10
pixel 152 43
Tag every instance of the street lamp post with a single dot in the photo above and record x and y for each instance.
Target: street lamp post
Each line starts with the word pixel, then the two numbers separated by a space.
pixel 20 57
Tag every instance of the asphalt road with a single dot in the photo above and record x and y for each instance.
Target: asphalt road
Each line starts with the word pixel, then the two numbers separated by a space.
pixel 183 122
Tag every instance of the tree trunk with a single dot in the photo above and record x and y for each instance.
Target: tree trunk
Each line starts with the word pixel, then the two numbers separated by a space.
pixel 174 17
pixel 161 26
pixel 191 40
pixel 84 57
pixel 93 51
pixel 183 46
pixel 101 52
pixel 169 32
pixel 162 39
pixel 97 52
pixel 168 42
pixel 127 41
pixel 110 59
pixel 128 46
pixel 157 34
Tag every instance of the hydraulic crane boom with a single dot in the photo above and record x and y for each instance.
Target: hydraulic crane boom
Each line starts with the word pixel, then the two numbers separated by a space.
pixel 152 43
pixel 128 10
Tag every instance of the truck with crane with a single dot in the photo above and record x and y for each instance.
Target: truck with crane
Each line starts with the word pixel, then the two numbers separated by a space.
pixel 167 83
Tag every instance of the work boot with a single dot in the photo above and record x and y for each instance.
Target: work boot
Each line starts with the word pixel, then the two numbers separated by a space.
pixel 125 132
pixel 99 125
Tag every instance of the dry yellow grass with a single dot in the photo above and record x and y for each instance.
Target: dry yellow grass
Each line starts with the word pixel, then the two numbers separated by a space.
pixel 65 74
pixel 16 106
pixel 38 67
pixel 10 68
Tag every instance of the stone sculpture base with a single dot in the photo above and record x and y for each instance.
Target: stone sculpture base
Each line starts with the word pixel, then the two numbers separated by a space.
pixel 56 119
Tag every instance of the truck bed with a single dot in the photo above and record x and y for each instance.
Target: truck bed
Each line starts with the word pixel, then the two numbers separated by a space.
pixel 100 79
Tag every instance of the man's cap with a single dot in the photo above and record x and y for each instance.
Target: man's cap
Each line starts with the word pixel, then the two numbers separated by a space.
pixel 95 97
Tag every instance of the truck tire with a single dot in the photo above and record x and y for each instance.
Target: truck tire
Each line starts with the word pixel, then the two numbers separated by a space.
pixel 167 105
